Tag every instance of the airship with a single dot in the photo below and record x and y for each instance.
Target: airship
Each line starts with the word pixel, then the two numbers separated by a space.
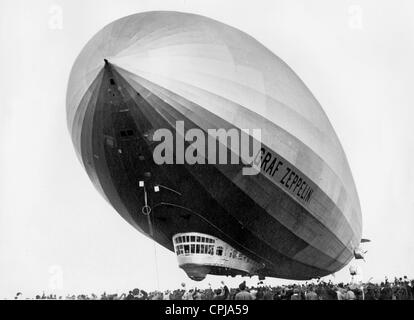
pixel 297 216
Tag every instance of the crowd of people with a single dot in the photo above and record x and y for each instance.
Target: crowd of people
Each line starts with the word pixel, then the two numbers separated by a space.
pixel 399 289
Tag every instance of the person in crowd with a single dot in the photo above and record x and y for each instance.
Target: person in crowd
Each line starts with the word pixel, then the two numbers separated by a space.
pixel 188 295
pixel 268 294
pixel 225 291
pixel 350 295
pixel 256 294
pixel 197 294
pixel 130 296
pixel 277 295
pixel 19 296
pixel 385 291
pixel 218 295
pixel 167 295
pixel 311 294
pixel 296 295
pixel 243 294
pixel 370 293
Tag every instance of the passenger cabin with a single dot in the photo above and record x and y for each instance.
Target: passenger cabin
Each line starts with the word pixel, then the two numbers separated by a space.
pixel 200 254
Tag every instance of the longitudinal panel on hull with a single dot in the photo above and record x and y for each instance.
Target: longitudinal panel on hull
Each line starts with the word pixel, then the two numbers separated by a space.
pixel 299 217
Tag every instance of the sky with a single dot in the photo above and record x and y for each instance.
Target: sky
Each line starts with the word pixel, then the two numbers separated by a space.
pixel 58 235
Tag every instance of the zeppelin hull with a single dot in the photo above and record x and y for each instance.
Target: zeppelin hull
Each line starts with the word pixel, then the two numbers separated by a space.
pixel 299 217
